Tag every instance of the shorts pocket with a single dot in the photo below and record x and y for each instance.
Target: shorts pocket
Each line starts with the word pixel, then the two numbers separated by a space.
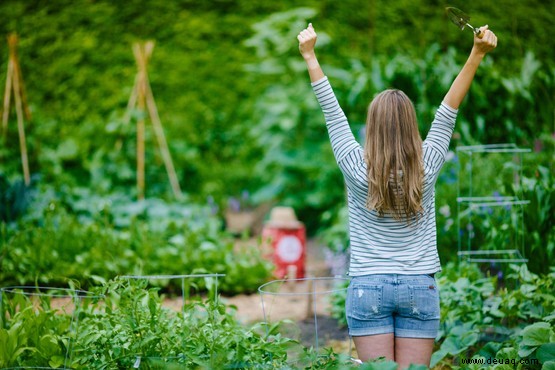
pixel 364 302
pixel 424 301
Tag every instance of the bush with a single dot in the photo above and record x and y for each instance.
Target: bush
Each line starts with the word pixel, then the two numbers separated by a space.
pixel 90 239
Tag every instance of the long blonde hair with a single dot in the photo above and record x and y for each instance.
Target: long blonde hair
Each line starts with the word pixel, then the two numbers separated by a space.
pixel 393 154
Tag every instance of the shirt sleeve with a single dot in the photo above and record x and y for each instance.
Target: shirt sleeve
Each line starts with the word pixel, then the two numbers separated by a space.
pixel 440 134
pixel 342 139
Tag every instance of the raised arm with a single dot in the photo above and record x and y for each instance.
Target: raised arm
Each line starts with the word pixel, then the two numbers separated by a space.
pixel 460 86
pixel 307 40
pixel 342 139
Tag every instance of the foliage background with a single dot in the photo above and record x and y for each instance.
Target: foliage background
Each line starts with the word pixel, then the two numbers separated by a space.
pixel 234 97
pixel 236 105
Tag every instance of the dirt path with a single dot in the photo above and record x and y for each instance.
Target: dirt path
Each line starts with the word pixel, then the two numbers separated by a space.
pixel 294 300
pixel 307 303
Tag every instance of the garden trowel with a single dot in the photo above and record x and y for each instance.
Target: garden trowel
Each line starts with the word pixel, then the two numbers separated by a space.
pixel 461 20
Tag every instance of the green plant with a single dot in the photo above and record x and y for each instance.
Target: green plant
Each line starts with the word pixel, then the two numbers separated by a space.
pixel 125 326
pixel 15 198
pixel 336 235
pixel 287 124
pixel 337 303
pixel 30 335
pixel 479 318
pixel 506 316
pixel 528 228
pixel 90 238
pixel 93 73
pixel 539 219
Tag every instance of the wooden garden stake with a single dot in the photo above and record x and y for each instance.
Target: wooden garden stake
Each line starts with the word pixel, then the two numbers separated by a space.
pixel 142 97
pixel 162 143
pixel 7 93
pixel 14 81
pixel 142 54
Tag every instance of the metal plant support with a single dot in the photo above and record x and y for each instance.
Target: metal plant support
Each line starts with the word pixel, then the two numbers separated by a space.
pixel 470 204
pixel 310 290
pixel 184 279
pixel 75 297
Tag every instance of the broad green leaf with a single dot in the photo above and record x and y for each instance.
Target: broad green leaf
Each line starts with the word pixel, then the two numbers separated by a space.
pixel 48 345
pixel 437 356
pixel 546 352
pixel 507 353
pixel 68 149
pixel 525 351
pixel 56 361
pixel 536 334
pixel 417 367
pixel 20 352
pixel 528 288
pixel 490 349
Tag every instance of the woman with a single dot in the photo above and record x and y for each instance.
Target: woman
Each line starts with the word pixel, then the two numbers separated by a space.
pixel 392 302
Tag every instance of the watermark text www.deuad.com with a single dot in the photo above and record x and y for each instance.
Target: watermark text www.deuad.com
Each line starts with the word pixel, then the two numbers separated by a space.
pixel 499 361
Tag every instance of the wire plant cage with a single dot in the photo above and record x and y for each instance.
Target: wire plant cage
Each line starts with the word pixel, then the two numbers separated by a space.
pixel 490 221
pixel 287 300
pixel 45 307
pixel 210 280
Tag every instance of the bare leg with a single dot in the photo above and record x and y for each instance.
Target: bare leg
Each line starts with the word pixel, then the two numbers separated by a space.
pixel 373 346
pixel 413 351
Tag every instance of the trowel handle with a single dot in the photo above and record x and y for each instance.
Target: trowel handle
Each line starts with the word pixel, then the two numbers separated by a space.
pixel 478 33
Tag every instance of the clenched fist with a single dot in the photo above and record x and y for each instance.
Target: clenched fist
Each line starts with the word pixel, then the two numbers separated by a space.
pixel 307 40
pixel 486 42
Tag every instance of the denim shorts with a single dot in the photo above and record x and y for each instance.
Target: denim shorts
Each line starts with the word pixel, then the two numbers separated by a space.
pixel 406 305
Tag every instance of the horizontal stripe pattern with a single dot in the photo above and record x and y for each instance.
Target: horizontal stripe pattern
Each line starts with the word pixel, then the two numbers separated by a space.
pixel 382 245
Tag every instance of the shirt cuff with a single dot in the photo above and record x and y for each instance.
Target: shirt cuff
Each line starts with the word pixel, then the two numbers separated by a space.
pixel 316 83
pixel 449 109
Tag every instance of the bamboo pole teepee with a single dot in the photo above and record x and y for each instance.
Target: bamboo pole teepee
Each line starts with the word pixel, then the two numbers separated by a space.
pixel 142 97
pixel 14 83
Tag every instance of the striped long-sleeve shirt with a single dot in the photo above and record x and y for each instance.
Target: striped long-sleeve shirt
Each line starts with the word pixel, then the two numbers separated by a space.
pixel 383 245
